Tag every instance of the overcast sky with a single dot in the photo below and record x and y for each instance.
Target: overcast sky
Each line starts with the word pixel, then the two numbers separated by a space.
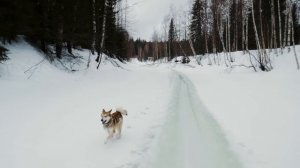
pixel 147 15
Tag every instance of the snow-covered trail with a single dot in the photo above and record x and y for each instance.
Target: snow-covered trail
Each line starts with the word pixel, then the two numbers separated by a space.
pixel 53 119
pixel 191 137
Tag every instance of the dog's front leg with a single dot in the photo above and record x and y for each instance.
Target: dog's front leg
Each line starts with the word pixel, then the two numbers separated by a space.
pixel 110 135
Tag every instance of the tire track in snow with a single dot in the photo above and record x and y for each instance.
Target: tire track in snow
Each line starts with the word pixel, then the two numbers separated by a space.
pixel 191 137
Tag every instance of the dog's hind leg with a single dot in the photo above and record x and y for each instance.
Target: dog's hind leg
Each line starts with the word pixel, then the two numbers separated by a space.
pixel 120 129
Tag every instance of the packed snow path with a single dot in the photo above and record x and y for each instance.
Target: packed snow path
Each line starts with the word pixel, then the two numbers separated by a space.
pixel 191 137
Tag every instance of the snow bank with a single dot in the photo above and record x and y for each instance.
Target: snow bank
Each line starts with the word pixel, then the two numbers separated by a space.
pixel 50 117
pixel 259 112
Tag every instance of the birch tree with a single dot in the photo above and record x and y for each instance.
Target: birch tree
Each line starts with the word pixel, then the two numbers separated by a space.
pixel 261 54
pixel 205 30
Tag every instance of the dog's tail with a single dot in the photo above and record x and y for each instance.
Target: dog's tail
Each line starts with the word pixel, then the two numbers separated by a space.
pixel 122 111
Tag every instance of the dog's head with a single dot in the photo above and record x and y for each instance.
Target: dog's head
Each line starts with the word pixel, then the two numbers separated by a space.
pixel 105 116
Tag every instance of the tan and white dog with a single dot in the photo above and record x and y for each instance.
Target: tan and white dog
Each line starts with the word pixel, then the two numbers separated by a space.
pixel 113 122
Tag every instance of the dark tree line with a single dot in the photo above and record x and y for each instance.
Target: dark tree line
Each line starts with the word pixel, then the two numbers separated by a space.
pixel 231 16
pixel 149 50
pixel 57 26
pixel 243 25
pixel 165 50
pixel 231 25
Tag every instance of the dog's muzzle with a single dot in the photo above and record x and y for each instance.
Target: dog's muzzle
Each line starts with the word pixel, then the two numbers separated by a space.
pixel 103 121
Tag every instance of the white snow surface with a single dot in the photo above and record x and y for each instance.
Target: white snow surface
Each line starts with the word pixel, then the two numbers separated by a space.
pixel 178 115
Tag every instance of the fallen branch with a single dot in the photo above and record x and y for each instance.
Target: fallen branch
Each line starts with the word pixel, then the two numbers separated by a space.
pixel 33 68
pixel 233 66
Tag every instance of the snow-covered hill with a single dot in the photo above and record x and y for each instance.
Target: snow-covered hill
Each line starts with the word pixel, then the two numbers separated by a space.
pixel 50 117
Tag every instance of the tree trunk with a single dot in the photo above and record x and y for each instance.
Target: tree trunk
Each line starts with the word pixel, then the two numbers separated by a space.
pixel 93 46
pixel 229 40
pixel 166 50
pixel 261 29
pixel 236 27
pixel 294 48
pixel 279 24
pixel 285 27
pixel 94 27
pixel 59 43
pixel 273 34
pixel 247 34
pixel 60 31
pixel 214 29
pixel 99 58
pixel 206 32
pixel 69 47
pixel 260 53
pixel 194 52
pixel 220 27
pixel 290 20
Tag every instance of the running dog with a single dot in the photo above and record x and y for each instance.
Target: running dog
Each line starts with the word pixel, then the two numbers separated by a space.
pixel 112 122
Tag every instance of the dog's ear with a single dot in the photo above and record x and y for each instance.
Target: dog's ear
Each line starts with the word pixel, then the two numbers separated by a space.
pixel 110 111
pixel 103 110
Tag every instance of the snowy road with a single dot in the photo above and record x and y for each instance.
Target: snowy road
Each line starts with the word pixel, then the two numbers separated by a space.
pixel 191 137
pixel 51 118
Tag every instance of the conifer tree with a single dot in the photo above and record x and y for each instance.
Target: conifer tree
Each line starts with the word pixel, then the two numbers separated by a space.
pixel 196 27
pixel 171 39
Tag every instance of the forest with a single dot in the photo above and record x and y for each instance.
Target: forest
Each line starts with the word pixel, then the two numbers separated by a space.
pixel 149 83
pixel 226 26
pixel 56 27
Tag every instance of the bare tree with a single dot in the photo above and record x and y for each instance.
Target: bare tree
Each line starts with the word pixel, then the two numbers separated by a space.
pixel 289 18
pixel 279 23
pixel 155 39
pixel 103 35
pixel 206 31
pixel 245 24
pixel 261 54
pixel 293 41
pixel 286 24
pixel 273 39
pixel 261 29
pixel 165 26
pixel 214 29
pixel 94 32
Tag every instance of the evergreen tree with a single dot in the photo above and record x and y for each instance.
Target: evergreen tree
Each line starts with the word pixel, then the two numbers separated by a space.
pixel 3 53
pixel 171 40
pixel 55 26
pixel 9 20
pixel 196 27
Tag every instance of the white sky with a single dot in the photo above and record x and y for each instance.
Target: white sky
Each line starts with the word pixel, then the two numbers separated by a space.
pixel 147 15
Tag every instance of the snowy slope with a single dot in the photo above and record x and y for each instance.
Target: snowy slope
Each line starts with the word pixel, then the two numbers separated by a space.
pixel 53 118
pixel 180 115
pixel 259 112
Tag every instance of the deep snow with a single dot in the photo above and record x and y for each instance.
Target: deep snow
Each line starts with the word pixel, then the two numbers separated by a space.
pixel 53 118
pixel 178 115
